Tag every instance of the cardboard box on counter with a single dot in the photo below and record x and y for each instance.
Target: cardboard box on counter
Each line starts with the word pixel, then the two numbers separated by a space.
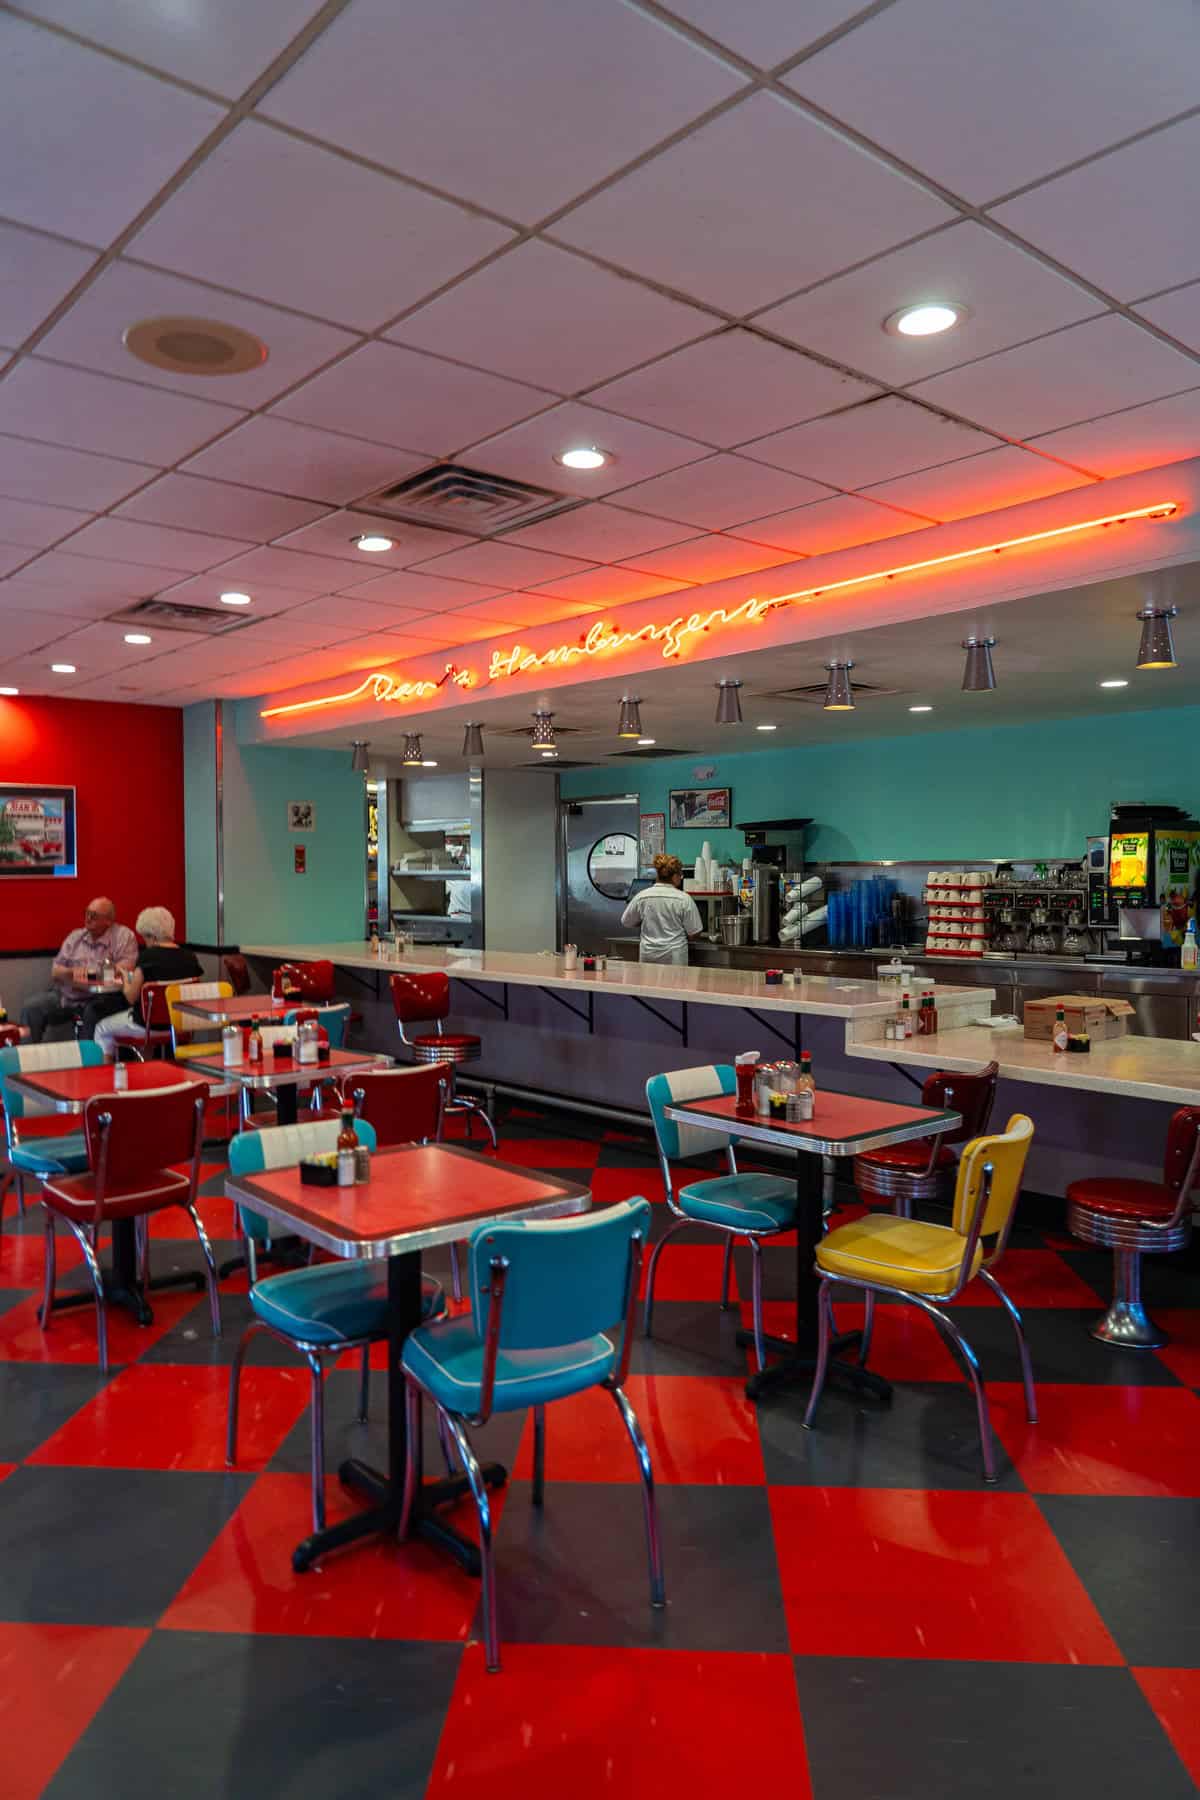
pixel 1100 1018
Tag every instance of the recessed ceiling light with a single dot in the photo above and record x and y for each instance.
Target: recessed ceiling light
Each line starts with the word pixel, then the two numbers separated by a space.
pixel 235 599
pixel 925 320
pixel 920 709
pixel 549 755
pixel 138 637
pixel 645 743
pixel 583 456
pixel 372 543
pixel 766 728
pixel 1114 684
pixel 9 691
pixel 62 668
pixel 188 346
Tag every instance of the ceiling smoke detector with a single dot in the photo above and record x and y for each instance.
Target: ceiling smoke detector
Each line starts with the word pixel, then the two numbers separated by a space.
pixel 194 346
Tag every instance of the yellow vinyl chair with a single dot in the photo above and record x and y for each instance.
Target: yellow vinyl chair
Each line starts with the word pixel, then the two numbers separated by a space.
pixel 924 1264
pixel 191 1036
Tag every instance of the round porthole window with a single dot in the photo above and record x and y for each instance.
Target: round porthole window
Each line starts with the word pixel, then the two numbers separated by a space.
pixel 612 865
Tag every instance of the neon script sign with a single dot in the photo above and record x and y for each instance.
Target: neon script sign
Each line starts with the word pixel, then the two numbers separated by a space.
pixel 676 635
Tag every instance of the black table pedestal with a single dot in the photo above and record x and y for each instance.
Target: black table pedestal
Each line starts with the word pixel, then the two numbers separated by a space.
pixel 121 1284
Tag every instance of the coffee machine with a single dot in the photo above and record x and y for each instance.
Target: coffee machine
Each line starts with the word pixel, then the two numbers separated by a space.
pixel 776 846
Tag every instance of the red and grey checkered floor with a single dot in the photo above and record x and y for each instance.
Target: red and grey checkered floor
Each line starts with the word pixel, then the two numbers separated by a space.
pixel 852 1614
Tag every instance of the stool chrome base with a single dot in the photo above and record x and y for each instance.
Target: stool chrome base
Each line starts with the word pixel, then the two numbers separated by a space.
pixel 1127 1324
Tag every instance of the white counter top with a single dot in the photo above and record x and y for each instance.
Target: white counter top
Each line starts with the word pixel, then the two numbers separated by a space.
pixel 1136 1068
pixel 827 996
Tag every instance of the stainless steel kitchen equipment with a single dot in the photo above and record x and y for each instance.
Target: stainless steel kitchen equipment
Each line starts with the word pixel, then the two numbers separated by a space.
pixel 600 856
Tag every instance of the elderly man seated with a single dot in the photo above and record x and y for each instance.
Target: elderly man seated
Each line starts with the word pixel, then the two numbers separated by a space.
pixel 77 997
pixel 160 959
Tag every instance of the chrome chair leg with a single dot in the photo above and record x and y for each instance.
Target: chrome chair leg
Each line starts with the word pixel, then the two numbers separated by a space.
pixel 479 1494
pixel 447 1446
pixel 89 1255
pixel 210 1268
pixel 539 1455
pixel 51 1260
pixel 658 1596
pixel 652 1270
pixel 235 1382
pixel 141 1234
pixel 251 1260
pixel 455 1273
pixel 825 1327
pixel 726 1272
pixel 317 1447
pixel 364 1384
pixel 760 1348
pixel 1018 1325
pixel 20 1196
pixel 412 1415
pixel 864 1348
pixel 970 1362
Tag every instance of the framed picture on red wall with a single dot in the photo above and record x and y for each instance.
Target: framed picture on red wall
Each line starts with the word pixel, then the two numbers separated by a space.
pixel 37 831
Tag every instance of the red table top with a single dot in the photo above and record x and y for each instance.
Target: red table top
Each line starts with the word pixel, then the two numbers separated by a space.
pixel 418 1195
pixel 73 1088
pixel 271 1070
pixel 251 1006
pixel 849 1121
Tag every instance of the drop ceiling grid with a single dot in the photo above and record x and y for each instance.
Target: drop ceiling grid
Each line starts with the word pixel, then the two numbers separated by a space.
pixel 706 82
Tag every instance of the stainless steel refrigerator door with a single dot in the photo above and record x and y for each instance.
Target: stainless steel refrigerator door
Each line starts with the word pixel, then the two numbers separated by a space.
pixel 599 879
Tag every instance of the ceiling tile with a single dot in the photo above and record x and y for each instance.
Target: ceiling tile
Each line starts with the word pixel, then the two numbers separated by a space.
pixel 710 558
pixel 384 649
pixel 526 609
pixel 599 532
pixel 269 598
pixel 868 443
pixel 944 83
pixel 293 569
pixel 418 588
pixel 20 594
pixel 12 556
pixel 90 335
pixel 280 632
pixel 830 525
pixel 766 32
pixel 457 628
pixel 345 242
pixel 95 581
pixel 223 45
pixel 549 95
pixel 1011 296
pixel 35 273
pixel 729 388
pixel 403 397
pixel 979 484
pixel 1075 374
pixel 1148 186
pixel 22 631
pixel 294 459
pixel 497 615
pixel 1178 313
pixel 161 545
pixel 47 472
pixel 722 490
pixel 217 506
pixel 610 587
pixel 528 451
pixel 334 536
pixel 1144 437
pixel 544 315
pixel 510 564
pixel 93 412
pixel 101 648
pixel 25 522
pixel 344 618
pixel 85 141
pixel 757 203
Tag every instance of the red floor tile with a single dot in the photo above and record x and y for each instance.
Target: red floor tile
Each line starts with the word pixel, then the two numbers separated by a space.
pixel 21 1258
pixel 906 1345
pixel 595 1723
pixel 215 1211
pixel 1175 1696
pixel 697 1430
pixel 1182 1354
pixel 1033 1278
pixel 53 1679
pixel 171 1416
pixel 71 1337
pixel 689 1272
pixel 378 1589
pixel 904 1572
pixel 610 1185
pixel 6 1469
pixel 549 1153
pixel 1102 1440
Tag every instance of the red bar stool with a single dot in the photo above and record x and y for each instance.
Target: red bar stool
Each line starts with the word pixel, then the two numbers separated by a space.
pixel 425 999
pixel 927 1168
pixel 1135 1219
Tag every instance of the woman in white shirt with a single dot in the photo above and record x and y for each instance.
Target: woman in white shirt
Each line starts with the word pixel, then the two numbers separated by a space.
pixel 665 916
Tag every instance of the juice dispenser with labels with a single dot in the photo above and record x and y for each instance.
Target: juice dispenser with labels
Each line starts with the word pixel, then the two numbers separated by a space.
pixel 1153 860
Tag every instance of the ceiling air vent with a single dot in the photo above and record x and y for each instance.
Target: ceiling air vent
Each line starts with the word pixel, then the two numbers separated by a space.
pixel 814 694
pixel 460 499
pixel 173 615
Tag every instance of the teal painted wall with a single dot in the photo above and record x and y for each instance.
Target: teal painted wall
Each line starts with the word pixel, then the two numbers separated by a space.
pixel 200 822
pixel 1033 790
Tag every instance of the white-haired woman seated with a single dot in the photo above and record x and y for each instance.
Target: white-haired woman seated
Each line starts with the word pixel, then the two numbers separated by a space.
pixel 160 958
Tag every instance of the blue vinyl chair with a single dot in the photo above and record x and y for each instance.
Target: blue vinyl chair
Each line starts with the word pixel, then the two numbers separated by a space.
pixel 544 1293
pixel 32 1156
pixel 321 1310
pixel 749 1206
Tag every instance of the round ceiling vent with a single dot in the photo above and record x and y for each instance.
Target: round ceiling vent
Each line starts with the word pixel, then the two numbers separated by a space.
pixel 194 346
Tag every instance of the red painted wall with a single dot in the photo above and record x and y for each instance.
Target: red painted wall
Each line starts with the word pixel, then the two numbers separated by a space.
pixel 126 765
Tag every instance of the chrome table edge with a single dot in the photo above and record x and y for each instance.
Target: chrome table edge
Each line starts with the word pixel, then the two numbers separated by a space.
pixel 314 1071
pixel 757 1133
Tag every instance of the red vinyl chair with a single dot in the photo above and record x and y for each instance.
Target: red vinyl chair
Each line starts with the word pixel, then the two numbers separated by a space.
pixel 153 1033
pixel 926 1169
pixel 404 1106
pixel 136 1142
pixel 1135 1219
pixel 425 1000
pixel 311 981
pixel 237 973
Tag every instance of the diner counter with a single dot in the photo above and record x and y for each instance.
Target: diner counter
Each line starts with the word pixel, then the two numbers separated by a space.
pixel 1135 1068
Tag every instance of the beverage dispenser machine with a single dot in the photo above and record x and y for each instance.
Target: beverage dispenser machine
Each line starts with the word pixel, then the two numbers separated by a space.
pixel 1153 861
